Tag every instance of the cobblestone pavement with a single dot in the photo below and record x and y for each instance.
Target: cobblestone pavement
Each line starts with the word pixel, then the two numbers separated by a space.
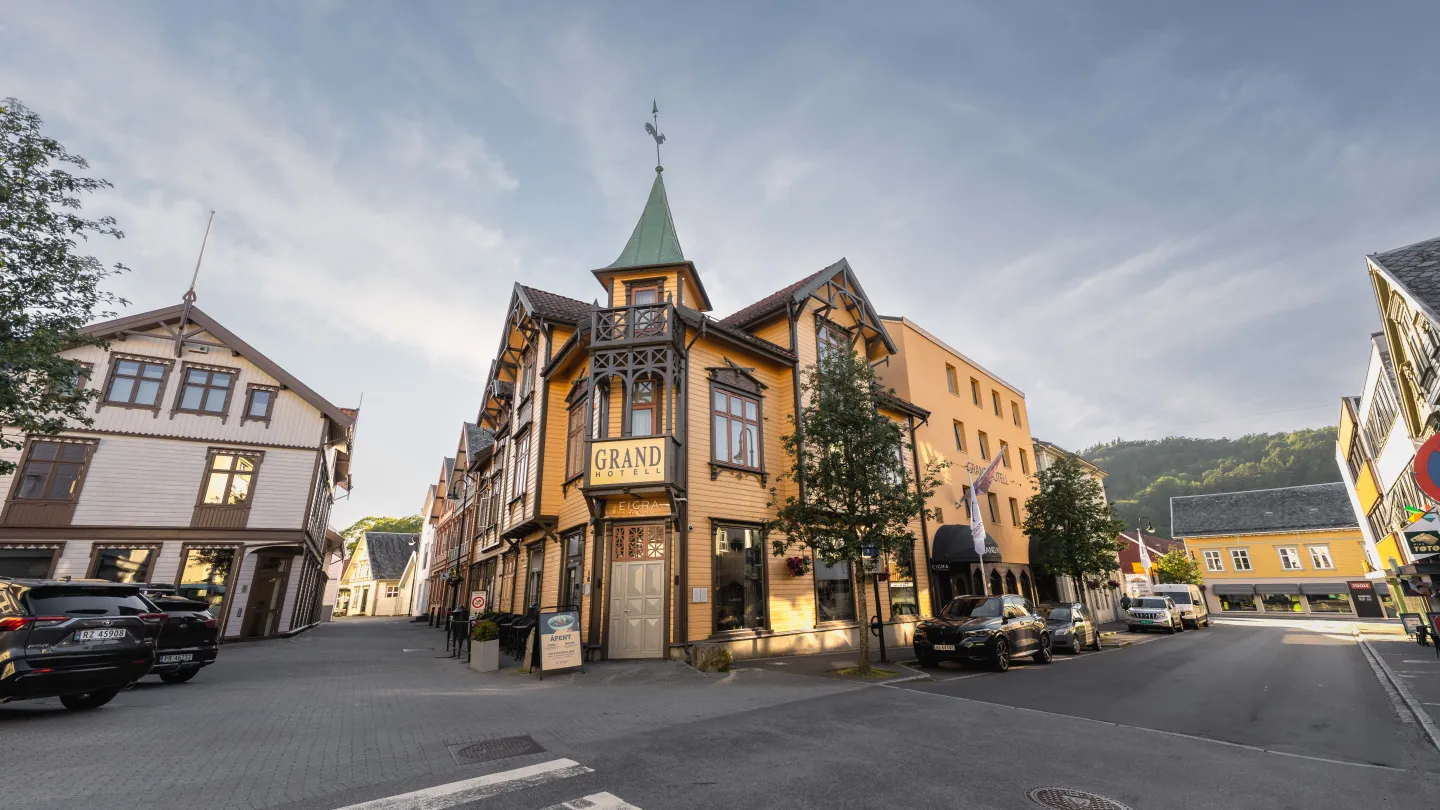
pixel 350 705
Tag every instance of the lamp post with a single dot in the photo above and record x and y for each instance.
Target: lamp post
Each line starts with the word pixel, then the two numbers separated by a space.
pixel 1140 541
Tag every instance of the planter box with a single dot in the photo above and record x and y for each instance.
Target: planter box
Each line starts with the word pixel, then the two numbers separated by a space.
pixel 485 655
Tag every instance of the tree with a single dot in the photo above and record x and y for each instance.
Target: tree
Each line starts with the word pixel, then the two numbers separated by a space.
pixel 1074 528
pixel 48 288
pixel 1175 566
pixel 401 525
pixel 846 458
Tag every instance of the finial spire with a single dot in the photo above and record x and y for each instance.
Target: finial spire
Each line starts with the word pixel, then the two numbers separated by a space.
pixel 189 296
pixel 654 130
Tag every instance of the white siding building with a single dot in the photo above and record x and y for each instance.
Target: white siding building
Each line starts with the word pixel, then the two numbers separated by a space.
pixel 207 467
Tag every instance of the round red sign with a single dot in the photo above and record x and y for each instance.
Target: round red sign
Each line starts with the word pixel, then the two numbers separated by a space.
pixel 1427 468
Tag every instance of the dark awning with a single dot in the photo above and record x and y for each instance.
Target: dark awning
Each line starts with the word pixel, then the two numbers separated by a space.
pixel 1283 588
pixel 1228 589
pixel 1322 588
pixel 954 547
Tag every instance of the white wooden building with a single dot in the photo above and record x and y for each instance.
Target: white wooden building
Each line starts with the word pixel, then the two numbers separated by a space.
pixel 208 467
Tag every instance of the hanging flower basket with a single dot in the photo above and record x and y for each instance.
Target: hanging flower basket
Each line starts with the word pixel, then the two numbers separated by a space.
pixel 1112 585
pixel 799 566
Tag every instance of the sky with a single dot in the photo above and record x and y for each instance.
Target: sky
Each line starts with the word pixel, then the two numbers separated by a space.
pixel 1150 217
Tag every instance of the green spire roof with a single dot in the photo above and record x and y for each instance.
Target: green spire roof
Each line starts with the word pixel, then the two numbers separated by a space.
pixel 654 240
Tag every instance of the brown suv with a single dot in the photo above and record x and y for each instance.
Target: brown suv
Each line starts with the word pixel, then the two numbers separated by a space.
pixel 79 641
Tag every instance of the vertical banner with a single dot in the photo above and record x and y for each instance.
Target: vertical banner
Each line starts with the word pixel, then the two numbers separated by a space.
pixel 560 640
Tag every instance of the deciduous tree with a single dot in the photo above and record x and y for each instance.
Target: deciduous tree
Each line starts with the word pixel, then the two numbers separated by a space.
pixel 1074 529
pixel 49 288
pixel 1175 566
pixel 401 525
pixel 858 497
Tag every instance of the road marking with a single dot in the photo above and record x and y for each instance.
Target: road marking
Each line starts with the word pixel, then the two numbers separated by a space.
pixel 595 801
pixel 1421 661
pixel 440 797
pixel 1151 730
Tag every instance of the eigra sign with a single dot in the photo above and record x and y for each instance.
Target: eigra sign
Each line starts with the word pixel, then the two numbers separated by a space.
pixel 627 461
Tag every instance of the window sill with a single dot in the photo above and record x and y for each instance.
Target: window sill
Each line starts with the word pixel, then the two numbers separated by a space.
pixel 838 624
pixel 128 405
pixel 740 634
pixel 717 466
pixel 221 415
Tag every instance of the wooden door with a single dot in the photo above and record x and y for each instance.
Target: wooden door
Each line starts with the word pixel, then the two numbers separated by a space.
pixel 637 591
pixel 267 594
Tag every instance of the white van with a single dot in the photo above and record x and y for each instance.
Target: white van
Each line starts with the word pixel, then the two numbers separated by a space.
pixel 1191 602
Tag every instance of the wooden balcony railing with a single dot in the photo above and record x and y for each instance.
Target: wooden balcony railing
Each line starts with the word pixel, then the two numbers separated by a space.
pixel 626 326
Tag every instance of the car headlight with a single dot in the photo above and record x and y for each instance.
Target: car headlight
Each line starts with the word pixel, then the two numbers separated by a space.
pixel 1064 631
pixel 920 635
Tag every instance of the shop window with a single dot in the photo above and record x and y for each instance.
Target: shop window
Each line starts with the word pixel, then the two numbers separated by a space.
pixel 739 578
pixel 1213 560
pixel 1328 603
pixel 735 429
pixel 533 577
pixel 995 587
pixel 1320 557
pixel 834 592
pixel 205 576
pixel 1240 558
pixel 1281 603
pixel 572 583
pixel 1011 585
pixel 1237 602
pixel 123 564
pixel 1289 559
pixel 904 600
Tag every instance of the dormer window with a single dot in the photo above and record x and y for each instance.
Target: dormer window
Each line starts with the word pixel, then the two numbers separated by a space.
pixel 646 294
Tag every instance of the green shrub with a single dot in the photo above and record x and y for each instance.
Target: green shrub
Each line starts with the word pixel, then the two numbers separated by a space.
pixel 485 631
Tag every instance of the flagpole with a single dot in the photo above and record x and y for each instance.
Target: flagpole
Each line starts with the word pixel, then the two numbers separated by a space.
pixel 975 504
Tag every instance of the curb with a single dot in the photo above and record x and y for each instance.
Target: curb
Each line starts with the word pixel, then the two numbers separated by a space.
pixel 906 679
pixel 1421 716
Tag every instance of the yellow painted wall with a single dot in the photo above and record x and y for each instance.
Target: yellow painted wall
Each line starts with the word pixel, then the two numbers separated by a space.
pixel 1347 551
pixel 1389 548
pixel 1366 488
pixel 917 373
pixel 775 330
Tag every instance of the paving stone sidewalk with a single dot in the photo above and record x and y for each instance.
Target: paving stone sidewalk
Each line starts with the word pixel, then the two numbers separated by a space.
pixel 351 704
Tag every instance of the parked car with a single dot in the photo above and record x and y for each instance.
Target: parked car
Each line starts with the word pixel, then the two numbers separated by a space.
pixel 1154 613
pixel 983 629
pixel 189 638
pixel 1193 610
pixel 79 641
pixel 1071 626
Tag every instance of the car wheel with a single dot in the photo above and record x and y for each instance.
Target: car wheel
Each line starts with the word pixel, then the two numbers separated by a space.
pixel 1044 654
pixel 179 675
pixel 89 700
pixel 1095 641
pixel 1207 621
pixel 1001 657
pixel 1074 648
pixel 1181 626
pixel 1170 628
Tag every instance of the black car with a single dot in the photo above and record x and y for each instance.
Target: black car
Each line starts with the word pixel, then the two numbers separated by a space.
pixel 1071 625
pixel 79 641
pixel 983 629
pixel 189 639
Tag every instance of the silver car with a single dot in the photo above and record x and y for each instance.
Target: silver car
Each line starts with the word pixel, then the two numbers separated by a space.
pixel 1154 613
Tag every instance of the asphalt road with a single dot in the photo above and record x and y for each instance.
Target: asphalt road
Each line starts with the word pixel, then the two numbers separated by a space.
pixel 366 716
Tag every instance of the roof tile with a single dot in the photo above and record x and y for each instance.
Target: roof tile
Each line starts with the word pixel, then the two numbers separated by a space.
pixel 1314 507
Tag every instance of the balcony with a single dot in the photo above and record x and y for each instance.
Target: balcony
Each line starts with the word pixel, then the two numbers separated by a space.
pixel 644 324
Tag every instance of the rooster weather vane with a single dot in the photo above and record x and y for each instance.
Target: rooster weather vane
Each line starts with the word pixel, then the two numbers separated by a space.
pixel 653 129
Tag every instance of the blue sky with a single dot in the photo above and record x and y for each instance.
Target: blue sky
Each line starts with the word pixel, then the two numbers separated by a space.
pixel 1150 217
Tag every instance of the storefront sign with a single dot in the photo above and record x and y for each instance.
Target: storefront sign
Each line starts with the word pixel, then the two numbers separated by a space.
pixel 478 603
pixel 1412 622
pixel 637 507
pixel 627 461
pixel 560 640
pixel 1423 537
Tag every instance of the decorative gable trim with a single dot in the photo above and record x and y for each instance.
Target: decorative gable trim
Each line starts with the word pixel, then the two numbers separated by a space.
pixel 737 377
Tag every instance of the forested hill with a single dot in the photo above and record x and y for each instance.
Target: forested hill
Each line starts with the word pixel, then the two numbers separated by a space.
pixel 1144 474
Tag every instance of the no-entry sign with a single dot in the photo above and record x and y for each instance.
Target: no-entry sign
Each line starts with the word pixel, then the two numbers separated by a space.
pixel 1427 468
pixel 478 602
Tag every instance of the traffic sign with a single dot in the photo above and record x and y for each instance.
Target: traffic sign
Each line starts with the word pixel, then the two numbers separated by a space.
pixel 478 602
pixel 1427 467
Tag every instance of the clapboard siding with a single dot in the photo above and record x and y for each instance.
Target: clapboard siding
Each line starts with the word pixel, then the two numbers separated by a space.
pixel 141 482
pixel 11 455
pixel 293 423
pixel 776 330
pixel 282 490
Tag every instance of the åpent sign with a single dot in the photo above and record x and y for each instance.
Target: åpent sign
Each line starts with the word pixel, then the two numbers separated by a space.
pixel 627 461
pixel 1427 468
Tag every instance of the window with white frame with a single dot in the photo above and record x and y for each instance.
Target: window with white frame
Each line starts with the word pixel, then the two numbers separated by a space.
pixel 1289 558
pixel 1320 557
pixel 1241 558
pixel 1213 560
pixel 392 591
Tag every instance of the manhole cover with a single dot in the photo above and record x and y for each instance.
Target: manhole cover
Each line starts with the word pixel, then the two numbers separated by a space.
pixel 495 749
pixel 1071 799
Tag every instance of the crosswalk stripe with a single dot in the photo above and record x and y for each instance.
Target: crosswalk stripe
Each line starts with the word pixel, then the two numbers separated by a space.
pixel 440 797
pixel 595 801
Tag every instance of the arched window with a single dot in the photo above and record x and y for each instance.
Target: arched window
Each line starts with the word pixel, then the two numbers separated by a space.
pixel 977 583
pixel 1010 586
pixel 1025 590
pixel 995 588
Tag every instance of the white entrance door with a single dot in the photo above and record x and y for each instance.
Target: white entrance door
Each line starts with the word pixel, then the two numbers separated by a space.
pixel 637 609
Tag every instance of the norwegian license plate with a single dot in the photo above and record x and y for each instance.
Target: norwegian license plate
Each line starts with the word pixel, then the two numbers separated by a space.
pixel 176 658
pixel 949 647
pixel 100 633
pixel 1147 621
